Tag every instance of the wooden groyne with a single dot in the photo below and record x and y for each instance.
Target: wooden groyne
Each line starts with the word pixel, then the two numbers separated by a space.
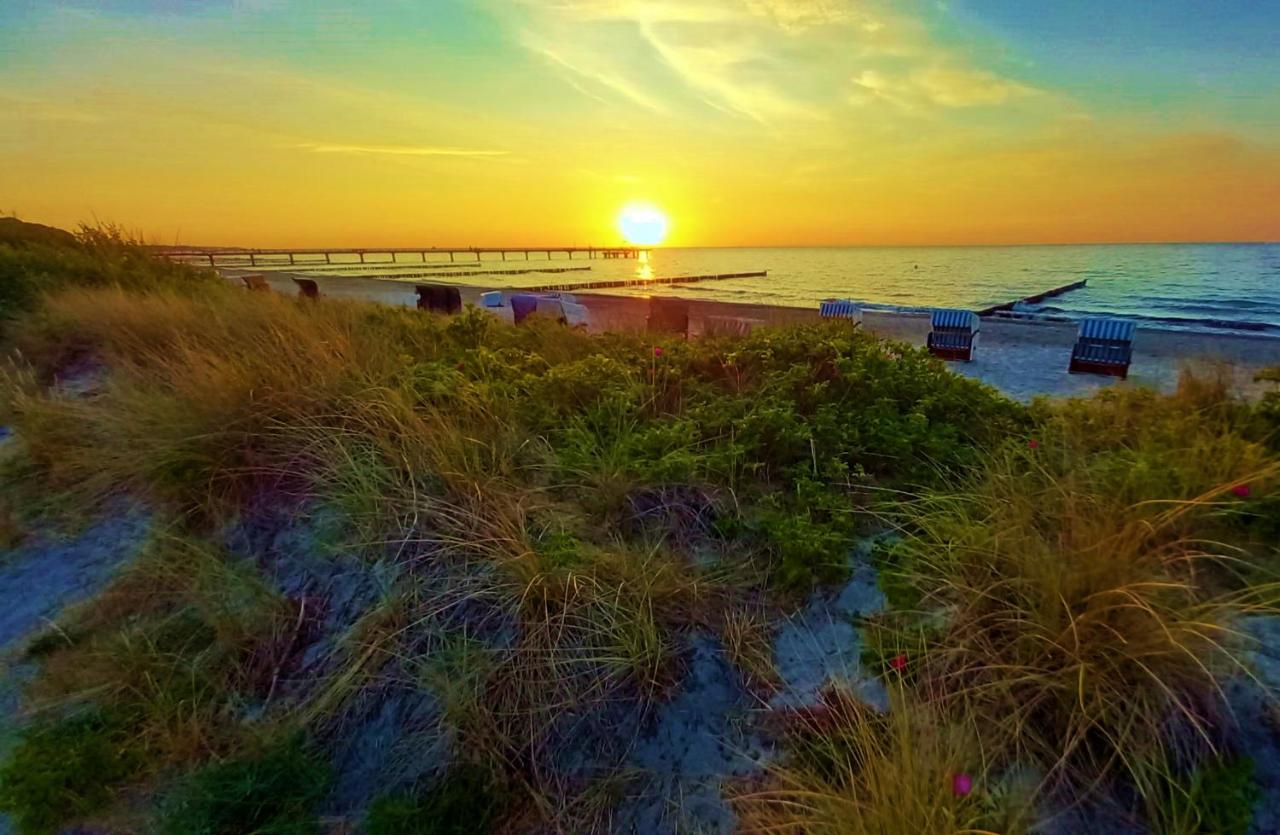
pixel 1036 299
pixel 638 282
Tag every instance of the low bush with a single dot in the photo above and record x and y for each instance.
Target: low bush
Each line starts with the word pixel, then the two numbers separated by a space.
pixel 60 771
pixel 467 801
pixel 277 792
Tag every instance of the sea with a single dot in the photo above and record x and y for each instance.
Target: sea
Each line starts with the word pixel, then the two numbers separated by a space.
pixel 1216 287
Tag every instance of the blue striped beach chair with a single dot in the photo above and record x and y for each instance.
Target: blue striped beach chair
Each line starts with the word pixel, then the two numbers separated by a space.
pixel 1104 346
pixel 841 309
pixel 954 334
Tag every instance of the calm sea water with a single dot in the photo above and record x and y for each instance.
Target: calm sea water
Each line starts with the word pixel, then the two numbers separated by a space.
pixel 1198 286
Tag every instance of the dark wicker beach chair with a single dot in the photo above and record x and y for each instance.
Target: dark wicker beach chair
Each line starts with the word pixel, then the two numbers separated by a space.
pixel 954 334
pixel 522 306
pixel 255 281
pixel 668 315
pixel 438 298
pixel 1104 346
pixel 307 288
pixel 841 309
pixel 739 326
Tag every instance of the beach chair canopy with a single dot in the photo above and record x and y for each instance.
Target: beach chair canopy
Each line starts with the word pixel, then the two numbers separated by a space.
pixel 575 315
pixel 959 320
pixel 522 305
pixel 668 315
pixel 491 299
pixel 840 309
pixel 440 298
pixel 307 288
pixel 1106 330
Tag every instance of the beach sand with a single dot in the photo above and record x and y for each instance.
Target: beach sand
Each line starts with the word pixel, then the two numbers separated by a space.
pixel 1022 358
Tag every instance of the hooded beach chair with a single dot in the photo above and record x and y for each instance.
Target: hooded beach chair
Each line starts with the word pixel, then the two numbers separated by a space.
pixel 954 334
pixel 1104 346
pixel 491 299
pixel 729 326
pixel 307 288
pixel 438 298
pixel 668 315
pixel 841 309
pixel 255 281
pixel 522 306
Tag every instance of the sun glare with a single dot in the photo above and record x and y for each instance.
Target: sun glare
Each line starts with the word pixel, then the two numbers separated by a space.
pixel 643 224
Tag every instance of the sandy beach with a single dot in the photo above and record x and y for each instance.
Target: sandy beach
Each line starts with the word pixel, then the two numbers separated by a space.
pixel 1022 358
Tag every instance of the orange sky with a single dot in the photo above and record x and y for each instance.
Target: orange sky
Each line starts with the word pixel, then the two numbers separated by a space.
pixel 750 122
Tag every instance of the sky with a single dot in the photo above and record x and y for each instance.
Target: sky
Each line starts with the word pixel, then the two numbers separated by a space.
pixel 748 122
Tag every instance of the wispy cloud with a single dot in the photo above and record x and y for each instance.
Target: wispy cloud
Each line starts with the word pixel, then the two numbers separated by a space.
pixel 399 150
pixel 36 108
pixel 943 86
pixel 771 61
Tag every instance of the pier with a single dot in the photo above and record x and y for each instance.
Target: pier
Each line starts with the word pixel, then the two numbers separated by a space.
pixel 325 255
pixel 638 282
pixel 1036 299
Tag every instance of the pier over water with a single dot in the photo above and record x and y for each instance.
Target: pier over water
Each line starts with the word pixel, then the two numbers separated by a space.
pixel 239 256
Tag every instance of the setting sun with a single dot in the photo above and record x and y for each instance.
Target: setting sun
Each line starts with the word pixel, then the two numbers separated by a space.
pixel 643 224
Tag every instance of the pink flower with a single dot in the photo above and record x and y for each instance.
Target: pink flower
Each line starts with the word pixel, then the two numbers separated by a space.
pixel 961 784
pixel 1033 444
pixel 1241 490
pixel 657 351
pixel 898 662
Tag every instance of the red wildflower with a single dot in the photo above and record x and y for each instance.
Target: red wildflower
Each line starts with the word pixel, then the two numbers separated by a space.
pixel 961 785
pixel 1241 490
pixel 1033 443
pixel 657 350
pixel 898 662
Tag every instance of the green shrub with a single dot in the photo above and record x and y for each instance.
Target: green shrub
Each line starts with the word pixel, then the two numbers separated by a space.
pixel 1216 799
pixel 62 771
pixel 468 801
pixel 276 792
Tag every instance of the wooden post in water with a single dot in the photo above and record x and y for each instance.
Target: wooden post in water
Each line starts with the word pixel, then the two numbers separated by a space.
pixel 326 258
pixel 253 260
pixel 362 256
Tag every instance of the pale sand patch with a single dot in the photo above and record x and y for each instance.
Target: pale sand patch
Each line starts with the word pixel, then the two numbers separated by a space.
pixel 1021 358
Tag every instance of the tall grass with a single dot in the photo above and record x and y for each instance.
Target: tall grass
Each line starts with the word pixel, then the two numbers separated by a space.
pixel 1091 584
pixel 855 771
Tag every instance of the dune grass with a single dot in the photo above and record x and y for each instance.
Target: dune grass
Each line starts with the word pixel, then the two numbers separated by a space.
pixel 561 511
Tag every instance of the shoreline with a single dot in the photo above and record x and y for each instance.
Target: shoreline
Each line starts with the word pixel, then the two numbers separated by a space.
pixel 1021 357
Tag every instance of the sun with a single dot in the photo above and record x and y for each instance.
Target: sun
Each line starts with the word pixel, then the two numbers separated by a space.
pixel 643 224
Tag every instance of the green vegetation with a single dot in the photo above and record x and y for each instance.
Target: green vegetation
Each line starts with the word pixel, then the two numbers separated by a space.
pixel 65 769
pixel 273 793
pixel 538 519
pixel 466 802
